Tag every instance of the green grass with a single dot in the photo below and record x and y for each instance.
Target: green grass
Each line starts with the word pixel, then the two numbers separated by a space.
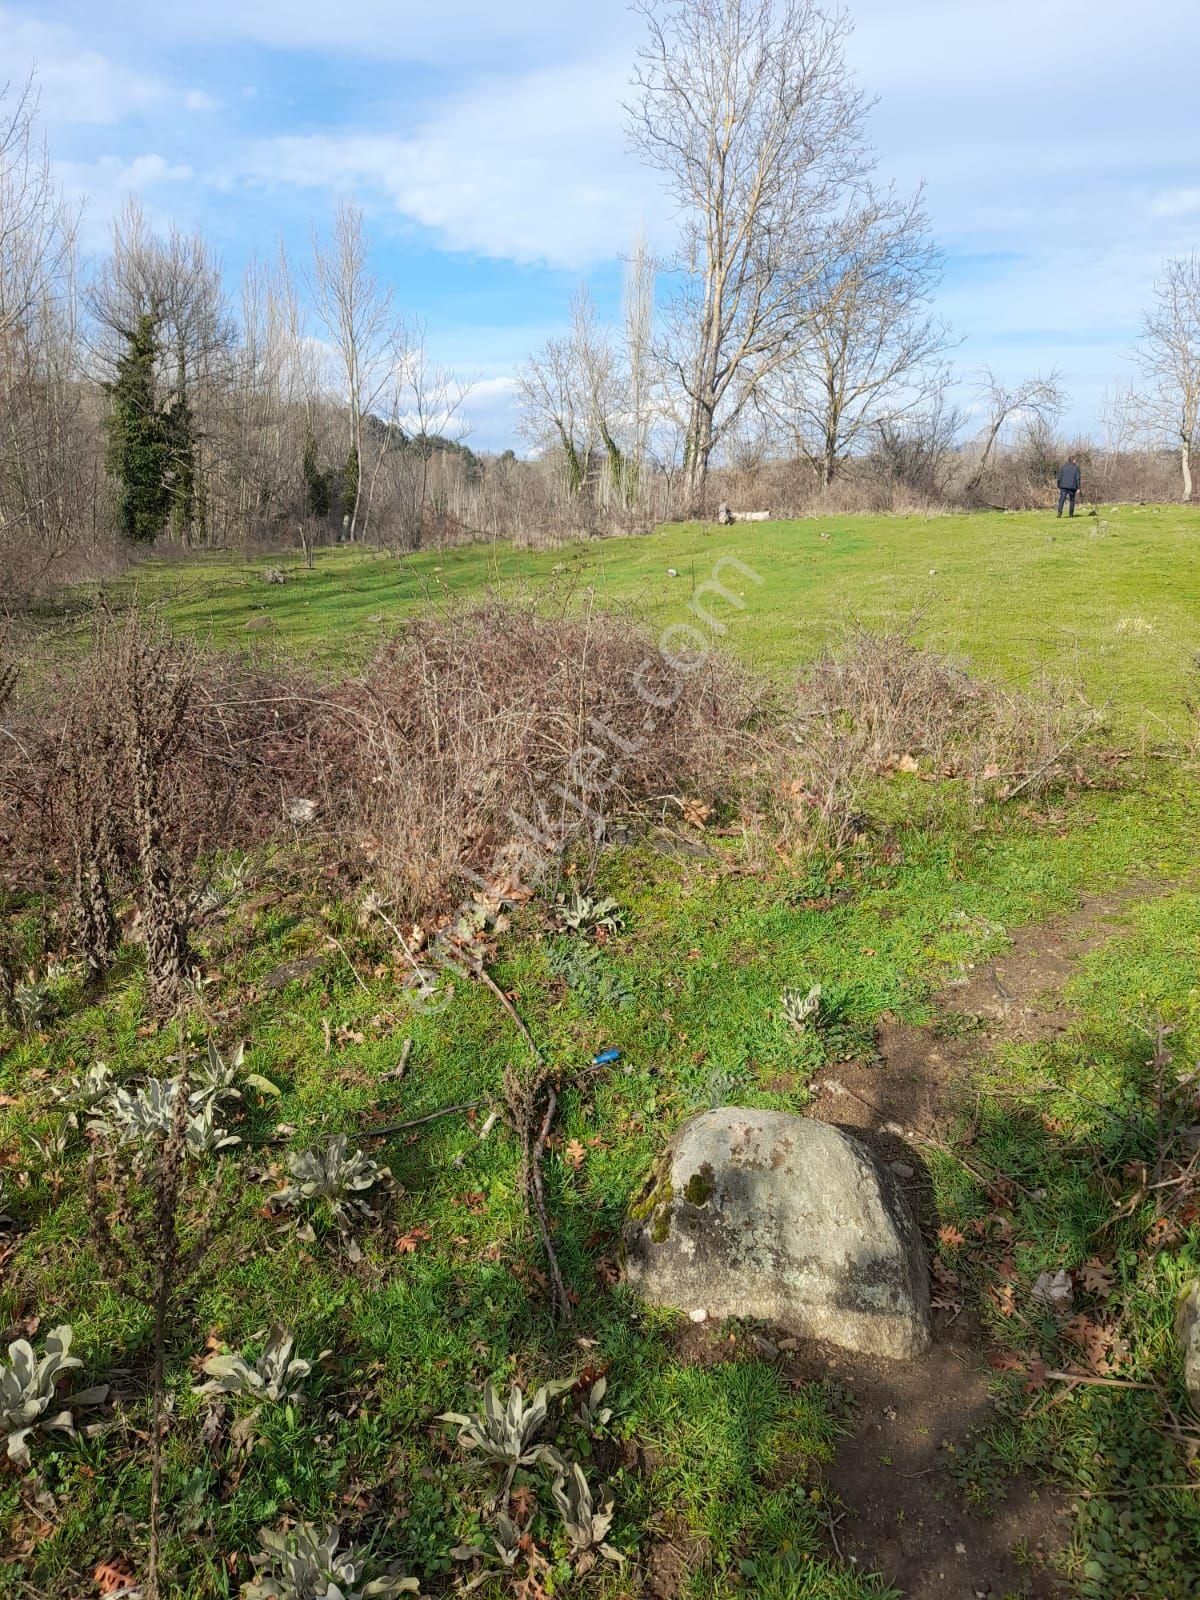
pixel 1109 601
pixel 726 1461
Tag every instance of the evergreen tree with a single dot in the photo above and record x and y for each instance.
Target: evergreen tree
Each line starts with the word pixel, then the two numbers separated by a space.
pixel 317 499
pixel 138 452
pixel 179 438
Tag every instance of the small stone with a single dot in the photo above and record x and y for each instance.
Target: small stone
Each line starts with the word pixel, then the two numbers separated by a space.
pixel 960 1548
pixel 902 1169
pixel 1053 1290
pixel 699 1315
pixel 274 575
pixel 299 810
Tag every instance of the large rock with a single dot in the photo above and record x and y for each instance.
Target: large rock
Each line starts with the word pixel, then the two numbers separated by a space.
pixel 784 1219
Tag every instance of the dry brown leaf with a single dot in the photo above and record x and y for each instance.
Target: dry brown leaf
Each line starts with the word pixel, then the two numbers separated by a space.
pixel 951 1236
pixel 574 1154
pixel 1095 1277
pixel 1004 1298
pixel 1006 1361
pixel 110 1576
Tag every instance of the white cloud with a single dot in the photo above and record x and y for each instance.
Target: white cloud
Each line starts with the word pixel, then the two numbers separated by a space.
pixel 75 84
pixel 529 169
pixel 198 100
pixel 1176 203
pixel 452 33
pixel 103 186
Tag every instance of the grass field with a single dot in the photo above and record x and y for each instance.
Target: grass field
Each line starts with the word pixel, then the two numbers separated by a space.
pixel 1109 600
pixel 720 1458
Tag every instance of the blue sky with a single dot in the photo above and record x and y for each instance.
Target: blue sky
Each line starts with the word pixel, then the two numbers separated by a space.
pixel 1058 139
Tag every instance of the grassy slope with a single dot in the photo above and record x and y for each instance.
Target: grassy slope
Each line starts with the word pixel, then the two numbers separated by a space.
pixel 731 1456
pixel 1111 601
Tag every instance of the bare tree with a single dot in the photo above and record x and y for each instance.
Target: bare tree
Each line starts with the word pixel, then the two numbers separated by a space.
pixel 46 448
pixel 1039 399
pixel 420 415
pixel 552 399
pixel 1169 358
pixel 747 110
pixel 357 311
pixel 917 451
pixel 872 352
pixel 638 317
pixel 597 360
pixel 37 228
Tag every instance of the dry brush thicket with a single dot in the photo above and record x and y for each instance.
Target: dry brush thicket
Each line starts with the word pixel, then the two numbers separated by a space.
pixel 478 749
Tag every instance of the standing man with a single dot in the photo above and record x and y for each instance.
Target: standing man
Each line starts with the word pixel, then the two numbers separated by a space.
pixel 1068 484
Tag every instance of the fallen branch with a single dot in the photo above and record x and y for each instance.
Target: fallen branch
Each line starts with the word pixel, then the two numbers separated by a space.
pixel 560 1303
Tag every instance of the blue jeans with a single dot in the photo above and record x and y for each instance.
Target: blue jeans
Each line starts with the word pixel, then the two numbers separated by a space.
pixel 1063 496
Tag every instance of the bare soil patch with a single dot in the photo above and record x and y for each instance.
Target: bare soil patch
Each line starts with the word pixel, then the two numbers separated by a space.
pixel 904 1514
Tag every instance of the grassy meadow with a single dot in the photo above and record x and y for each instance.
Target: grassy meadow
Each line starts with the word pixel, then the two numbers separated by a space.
pixel 720 1461
pixel 1108 600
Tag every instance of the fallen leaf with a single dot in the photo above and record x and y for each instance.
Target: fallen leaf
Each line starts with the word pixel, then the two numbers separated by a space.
pixel 1006 1361
pixel 1053 1290
pixel 1093 1340
pixel 409 1243
pixel 1004 1299
pixel 1039 1375
pixel 951 1236
pixel 908 763
pixel 110 1576
pixel 1096 1278
pixel 696 812
pixel 574 1154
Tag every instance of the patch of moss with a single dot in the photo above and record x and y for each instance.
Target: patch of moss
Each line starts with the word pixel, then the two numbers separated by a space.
pixel 699 1187
pixel 660 1228
pixel 655 1192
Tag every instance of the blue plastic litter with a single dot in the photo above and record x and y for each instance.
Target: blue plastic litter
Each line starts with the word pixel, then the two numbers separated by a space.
pixel 604 1057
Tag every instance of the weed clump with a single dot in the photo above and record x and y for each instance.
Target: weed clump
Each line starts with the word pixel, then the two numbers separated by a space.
pixel 884 705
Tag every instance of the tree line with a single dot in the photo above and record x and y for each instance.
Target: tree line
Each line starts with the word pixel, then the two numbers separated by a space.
pixel 792 337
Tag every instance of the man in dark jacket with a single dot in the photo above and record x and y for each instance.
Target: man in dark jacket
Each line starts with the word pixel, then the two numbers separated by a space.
pixel 1068 484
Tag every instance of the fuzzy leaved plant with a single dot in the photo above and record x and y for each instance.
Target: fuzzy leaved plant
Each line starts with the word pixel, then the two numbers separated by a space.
pixel 28 1401
pixel 136 1116
pixel 303 1563
pixel 802 1007
pixel 582 914
pixel 275 1376
pixel 509 1434
pixel 334 1176
pixel 591 1411
pixel 219 1078
pixel 498 1562
pixel 80 1095
pixel 586 1518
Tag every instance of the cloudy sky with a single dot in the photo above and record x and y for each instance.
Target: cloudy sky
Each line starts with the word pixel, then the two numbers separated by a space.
pixel 1058 140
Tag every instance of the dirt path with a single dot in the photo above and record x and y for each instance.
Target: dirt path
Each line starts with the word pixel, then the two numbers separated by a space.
pixel 905 1516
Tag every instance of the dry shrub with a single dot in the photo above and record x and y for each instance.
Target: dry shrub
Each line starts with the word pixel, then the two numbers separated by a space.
pixel 486 742
pixel 883 704
pixel 129 772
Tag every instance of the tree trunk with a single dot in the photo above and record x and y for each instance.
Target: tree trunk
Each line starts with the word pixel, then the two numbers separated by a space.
pixel 699 450
pixel 1185 461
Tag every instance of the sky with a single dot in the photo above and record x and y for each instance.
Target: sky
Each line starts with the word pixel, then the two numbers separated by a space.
pixel 1057 139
